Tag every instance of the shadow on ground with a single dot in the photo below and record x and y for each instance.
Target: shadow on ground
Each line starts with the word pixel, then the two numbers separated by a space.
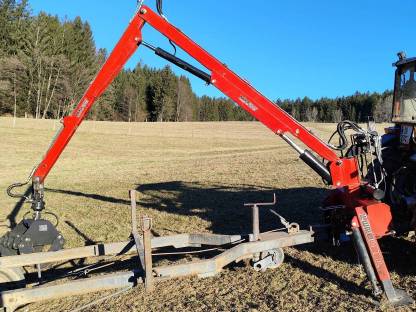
pixel 11 217
pixel 222 206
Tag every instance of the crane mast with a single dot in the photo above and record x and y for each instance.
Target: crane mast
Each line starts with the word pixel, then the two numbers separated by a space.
pixel 338 172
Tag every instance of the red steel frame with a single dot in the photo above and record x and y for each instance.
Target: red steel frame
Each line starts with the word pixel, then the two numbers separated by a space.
pixel 344 171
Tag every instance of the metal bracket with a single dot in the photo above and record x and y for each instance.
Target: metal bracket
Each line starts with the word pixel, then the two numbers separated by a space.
pixel 255 216
pixel 134 233
pixel 144 249
pixel 236 249
pixel 147 242
pixel 373 259
pixel 30 235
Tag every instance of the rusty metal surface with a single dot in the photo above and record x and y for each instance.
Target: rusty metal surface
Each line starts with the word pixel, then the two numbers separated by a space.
pixel 143 246
pixel 211 239
pixel 255 219
pixel 16 298
pixel 146 228
pixel 212 266
pixel 109 249
pixel 202 268
pixel 255 222
pixel 137 241
pixel 177 241
pixel 66 254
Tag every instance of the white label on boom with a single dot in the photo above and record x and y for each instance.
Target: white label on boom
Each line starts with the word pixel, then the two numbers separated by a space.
pixel 248 103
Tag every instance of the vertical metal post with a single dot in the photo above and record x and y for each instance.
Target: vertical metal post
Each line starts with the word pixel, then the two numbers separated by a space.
pixel 135 234
pixel 147 242
pixel 256 218
pixel 256 223
pixel 132 194
pixel 38 267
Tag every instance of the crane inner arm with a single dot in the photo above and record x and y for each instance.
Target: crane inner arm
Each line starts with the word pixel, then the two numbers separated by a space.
pixel 221 77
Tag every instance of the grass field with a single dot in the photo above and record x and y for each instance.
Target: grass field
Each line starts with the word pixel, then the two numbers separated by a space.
pixel 194 177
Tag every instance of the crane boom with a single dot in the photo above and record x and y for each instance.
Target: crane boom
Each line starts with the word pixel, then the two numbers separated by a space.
pixel 338 171
pixel 351 205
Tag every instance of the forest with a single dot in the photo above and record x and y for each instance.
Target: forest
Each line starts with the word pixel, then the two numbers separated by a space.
pixel 46 64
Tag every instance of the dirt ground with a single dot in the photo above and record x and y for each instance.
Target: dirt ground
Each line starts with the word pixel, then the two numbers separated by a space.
pixel 194 177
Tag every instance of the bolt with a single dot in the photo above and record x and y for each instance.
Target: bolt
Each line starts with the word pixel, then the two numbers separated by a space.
pixel 27 239
pixel 297 131
pixel 338 183
pixel 354 224
pixel 143 11
pixel 213 80
pixel 339 162
pixel 21 246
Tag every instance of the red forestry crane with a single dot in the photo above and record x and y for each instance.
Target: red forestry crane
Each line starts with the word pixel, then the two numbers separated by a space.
pixel 353 206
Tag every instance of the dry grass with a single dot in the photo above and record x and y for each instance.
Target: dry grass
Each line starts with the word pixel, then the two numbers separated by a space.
pixel 194 177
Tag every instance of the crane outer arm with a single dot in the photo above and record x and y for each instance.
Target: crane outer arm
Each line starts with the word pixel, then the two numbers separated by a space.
pixel 124 49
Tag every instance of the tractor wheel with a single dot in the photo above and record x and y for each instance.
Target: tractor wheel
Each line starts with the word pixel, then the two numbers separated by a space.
pixel 403 188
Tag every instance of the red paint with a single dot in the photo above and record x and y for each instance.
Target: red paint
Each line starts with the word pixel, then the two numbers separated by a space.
pixel 344 172
pixel 115 62
pixel 370 239
pixel 379 215
pixel 223 78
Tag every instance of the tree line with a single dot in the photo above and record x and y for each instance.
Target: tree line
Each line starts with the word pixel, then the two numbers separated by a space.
pixel 358 107
pixel 47 63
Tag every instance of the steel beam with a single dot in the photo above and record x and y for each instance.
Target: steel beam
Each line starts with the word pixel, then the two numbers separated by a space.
pixel 13 299
pixel 203 268
pixel 109 249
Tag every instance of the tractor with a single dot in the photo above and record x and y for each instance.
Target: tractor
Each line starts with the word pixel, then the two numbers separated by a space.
pixel 399 146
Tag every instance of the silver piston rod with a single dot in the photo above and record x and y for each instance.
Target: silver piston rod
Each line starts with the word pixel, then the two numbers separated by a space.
pixel 310 159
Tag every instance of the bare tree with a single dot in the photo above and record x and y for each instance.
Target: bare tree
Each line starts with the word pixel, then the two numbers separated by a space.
pixel 337 115
pixel 15 101
pixel 312 114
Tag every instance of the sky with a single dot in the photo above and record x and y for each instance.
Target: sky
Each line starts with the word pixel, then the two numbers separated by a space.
pixel 285 49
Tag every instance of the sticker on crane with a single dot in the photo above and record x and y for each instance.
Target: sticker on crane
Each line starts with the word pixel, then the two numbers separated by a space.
pixel 82 107
pixel 248 103
pixel 43 228
pixel 373 246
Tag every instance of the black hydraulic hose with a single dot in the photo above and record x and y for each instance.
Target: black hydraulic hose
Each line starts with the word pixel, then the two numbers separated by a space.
pixel 342 127
pixel 159 7
pixel 10 189
pixel 365 259
pixel 179 62
pixel 184 65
